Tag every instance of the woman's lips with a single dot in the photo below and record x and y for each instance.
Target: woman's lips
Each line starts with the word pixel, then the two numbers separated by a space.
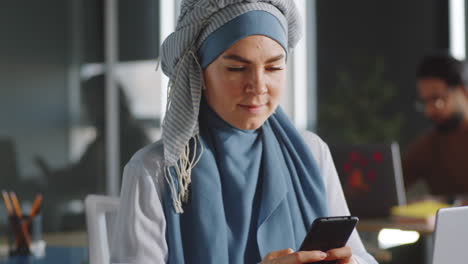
pixel 253 109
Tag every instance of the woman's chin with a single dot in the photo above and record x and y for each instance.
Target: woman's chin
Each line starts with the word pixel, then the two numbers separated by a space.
pixel 249 124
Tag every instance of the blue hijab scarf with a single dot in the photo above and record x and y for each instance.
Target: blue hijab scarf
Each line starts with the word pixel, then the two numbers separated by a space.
pixel 252 191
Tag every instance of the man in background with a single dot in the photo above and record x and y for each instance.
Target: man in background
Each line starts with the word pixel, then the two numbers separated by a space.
pixel 440 156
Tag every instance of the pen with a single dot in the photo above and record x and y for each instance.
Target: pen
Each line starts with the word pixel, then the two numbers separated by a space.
pixel 6 200
pixel 17 209
pixel 9 207
pixel 35 207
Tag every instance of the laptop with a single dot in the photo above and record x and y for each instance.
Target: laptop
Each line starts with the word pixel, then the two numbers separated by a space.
pixel 451 236
pixel 371 177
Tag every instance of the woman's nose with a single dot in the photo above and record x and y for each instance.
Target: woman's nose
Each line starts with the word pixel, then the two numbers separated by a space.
pixel 256 85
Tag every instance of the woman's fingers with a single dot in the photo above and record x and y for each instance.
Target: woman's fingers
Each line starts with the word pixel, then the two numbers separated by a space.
pixel 278 253
pixel 307 256
pixel 297 257
pixel 344 255
pixel 288 256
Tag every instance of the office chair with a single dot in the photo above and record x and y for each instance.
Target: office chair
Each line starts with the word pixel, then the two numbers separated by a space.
pixel 101 211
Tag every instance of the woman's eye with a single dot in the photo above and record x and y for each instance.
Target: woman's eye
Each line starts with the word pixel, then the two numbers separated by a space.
pixel 235 69
pixel 276 68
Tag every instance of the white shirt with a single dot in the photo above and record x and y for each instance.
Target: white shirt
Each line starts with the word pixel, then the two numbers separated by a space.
pixel 140 238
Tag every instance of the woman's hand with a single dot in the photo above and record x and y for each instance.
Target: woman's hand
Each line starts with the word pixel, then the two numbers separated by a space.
pixel 344 255
pixel 288 256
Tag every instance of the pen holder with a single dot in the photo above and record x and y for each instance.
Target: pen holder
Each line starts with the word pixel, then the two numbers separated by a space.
pixel 19 244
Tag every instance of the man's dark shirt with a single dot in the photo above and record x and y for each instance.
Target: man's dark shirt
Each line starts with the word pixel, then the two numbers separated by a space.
pixel 441 160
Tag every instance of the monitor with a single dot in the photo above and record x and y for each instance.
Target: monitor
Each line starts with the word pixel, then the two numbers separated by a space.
pixel 371 177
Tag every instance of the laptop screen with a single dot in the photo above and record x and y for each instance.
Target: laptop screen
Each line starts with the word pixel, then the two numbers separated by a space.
pixel 371 177
pixel 451 236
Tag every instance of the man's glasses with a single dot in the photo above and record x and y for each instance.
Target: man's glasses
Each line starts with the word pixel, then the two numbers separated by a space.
pixel 437 101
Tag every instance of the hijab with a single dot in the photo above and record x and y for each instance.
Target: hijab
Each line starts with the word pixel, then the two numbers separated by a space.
pixel 198 19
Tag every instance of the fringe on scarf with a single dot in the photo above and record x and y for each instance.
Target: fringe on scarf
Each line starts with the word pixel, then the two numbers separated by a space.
pixel 183 171
pixel 179 187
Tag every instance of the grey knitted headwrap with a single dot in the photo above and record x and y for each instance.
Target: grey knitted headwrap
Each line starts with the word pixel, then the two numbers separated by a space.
pixel 197 20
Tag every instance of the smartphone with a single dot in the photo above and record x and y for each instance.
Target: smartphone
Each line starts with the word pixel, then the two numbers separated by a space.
pixel 328 233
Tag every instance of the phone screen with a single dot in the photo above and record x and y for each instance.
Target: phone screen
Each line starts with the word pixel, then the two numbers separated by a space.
pixel 328 233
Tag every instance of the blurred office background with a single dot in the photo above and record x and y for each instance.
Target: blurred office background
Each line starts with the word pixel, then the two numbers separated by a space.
pixel 57 59
pixel 356 84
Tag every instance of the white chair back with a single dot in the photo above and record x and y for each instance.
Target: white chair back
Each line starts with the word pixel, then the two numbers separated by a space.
pixel 100 214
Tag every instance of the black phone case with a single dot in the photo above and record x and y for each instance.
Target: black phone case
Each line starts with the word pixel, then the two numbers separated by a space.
pixel 329 232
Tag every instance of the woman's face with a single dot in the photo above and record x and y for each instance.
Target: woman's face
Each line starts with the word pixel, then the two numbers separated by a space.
pixel 244 84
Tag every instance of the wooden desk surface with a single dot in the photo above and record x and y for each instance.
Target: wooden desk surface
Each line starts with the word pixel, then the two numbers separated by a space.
pixel 62 239
pixel 375 225
pixel 67 239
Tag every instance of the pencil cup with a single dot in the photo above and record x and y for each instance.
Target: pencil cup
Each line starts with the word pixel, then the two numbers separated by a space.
pixel 23 234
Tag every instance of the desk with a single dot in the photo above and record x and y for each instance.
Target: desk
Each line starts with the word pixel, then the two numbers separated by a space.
pixel 67 239
pixel 54 255
pixel 62 248
pixel 375 225
pixel 424 229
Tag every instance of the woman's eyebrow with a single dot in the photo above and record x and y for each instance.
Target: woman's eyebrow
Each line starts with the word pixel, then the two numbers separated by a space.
pixel 275 58
pixel 244 60
pixel 236 58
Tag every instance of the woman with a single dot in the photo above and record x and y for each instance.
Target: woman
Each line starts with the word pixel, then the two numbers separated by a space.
pixel 231 181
